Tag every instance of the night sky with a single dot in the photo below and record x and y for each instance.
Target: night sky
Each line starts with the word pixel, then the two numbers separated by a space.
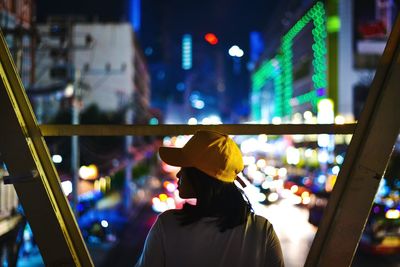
pixel 164 22
pixel 231 20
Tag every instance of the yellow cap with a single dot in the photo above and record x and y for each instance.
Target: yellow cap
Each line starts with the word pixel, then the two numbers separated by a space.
pixel 213 153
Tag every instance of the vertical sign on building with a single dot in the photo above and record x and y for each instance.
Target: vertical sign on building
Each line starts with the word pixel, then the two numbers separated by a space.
pixel 135 14
pixel 186 52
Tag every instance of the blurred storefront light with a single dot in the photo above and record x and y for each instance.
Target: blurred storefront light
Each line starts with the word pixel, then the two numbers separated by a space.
pixel 249 145
pixel 292 155
pixel 392 214
pixel 263 138
pixel 294 188
pixel 192 121
pixel 307 115
pixel 169 186
pixel 56 158
pixel 235 51
pixel 258 178
pixel 167 141
pixel 66 187
pixel 266 184
pixel 163 197
pixel 339 119
pixel 198 104
pixel 270 170
pixel 323 140
pixel 333 24
pixel 69 90
pixel 163 203
pixel 339 159
pixel 321 179
pixel 282 172
pixel 103 184
pixel 261 163
pixel 330 182
pixel 297 118
pixel 104 223
pixel 325 106
pixel 276 120
pixel 153 121
pixel 323 156
pixel 88 172
pixel 212 119
pixel 211 38
pixel 308 152
pixel 325 115
pixel 306 200
pixel 248 160
pixel 335 170
pixel 251 169
pixel 272 197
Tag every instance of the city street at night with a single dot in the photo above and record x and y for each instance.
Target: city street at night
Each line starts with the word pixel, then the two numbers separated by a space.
pixel 114 113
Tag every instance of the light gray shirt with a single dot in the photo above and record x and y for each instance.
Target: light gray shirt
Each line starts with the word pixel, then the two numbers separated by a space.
pixel 251 244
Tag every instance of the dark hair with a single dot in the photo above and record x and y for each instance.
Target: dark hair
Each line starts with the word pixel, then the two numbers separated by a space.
pixel 215 198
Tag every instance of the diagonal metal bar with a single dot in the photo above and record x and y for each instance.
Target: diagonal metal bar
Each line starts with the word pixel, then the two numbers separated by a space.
pixel 24 151
pixel 175 129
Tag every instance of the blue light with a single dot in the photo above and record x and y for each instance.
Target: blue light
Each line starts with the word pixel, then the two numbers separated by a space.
pixel 198 104
pixel 320 92
pixel 321 179
pixel 180 87
pixel 194 96
pixel 148 51
pixel 153 121
pixel 135 14
pixel 186 52
pixel 80 207
pixel 257 45
pixel 339 159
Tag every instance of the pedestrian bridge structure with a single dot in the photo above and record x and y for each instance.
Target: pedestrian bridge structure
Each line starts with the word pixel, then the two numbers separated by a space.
pixel 32 173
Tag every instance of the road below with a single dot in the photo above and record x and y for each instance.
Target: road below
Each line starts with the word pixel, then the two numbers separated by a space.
pixel 296 235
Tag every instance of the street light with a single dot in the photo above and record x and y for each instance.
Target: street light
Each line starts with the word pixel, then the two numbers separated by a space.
pixel 69 90
pixel 88 172
pixel 235 51
pixel 56 158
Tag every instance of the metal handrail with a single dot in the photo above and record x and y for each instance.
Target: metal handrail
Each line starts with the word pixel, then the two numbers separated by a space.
pixel 178 129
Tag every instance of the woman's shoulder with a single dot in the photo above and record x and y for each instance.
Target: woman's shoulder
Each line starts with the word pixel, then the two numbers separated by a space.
pixel 260 228
pixel 259 221
pixel 169 215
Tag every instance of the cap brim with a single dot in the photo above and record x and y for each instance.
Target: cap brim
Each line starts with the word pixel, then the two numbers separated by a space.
pixel 174 156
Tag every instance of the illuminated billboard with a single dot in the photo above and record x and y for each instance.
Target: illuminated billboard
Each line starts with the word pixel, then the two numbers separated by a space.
pixel 299 72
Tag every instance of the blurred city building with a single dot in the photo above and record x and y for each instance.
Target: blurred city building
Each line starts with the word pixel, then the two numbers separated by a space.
pixel 102 62
pixel 94 68
pixel 193 75
pixel 206 83
pixel 17 24
pixel 317 50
